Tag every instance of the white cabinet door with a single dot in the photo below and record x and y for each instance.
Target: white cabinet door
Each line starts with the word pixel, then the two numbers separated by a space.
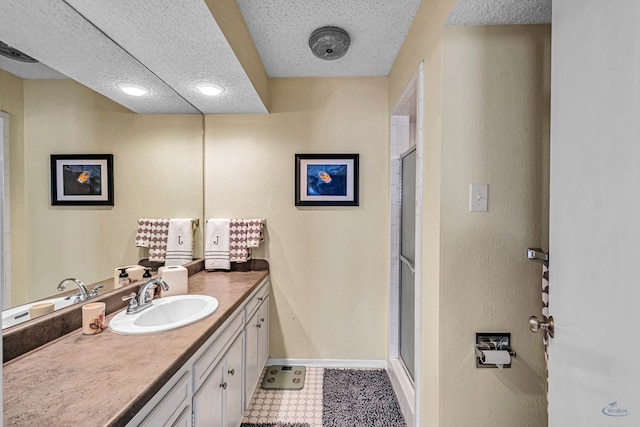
pixel 172 404
pixel 219 401
pixel 251 356
pixel 263 335
pixel 257 347
pixel 184 420
pixel 208 401
pixel 233 378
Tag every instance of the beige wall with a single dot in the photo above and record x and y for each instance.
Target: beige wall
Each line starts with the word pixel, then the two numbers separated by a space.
pixel 12 102
pixel 424 44
pixel 157 171
pixel 485 121
pixel 329 265
pixel 495 131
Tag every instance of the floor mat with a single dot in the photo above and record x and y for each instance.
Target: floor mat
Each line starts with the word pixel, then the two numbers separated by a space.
pixel 274 425
pixel 359 398
pixel 284 377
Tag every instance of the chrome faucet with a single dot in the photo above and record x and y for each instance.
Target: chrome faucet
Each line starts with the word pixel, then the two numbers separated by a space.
pixel 142 300
pixel 84 293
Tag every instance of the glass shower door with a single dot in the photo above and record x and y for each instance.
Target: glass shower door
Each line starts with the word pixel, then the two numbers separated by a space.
pixel 407 261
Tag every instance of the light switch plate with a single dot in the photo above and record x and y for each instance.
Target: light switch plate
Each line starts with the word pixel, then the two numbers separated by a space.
pixel 478 197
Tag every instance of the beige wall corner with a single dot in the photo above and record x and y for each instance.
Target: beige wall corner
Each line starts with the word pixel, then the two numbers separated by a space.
pixel 424 44
pixel 486 118
pixel 229 18
pixel 495 131
pixel 329 265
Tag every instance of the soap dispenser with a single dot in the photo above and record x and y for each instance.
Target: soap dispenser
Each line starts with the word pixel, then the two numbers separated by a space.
pixel 123 278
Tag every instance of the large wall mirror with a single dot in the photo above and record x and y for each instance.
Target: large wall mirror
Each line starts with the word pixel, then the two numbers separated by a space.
pixel 158 173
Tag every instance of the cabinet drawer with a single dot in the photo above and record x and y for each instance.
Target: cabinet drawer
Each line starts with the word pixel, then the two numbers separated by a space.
pixel 172 405
pixel 256 299
pixel 207 361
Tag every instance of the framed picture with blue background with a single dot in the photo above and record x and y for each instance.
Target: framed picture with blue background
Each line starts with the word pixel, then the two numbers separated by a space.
pixel 82 179
pixel 327 180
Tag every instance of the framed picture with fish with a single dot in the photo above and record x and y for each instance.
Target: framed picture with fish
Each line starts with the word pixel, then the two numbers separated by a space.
pixel 327 179
pixel 82 179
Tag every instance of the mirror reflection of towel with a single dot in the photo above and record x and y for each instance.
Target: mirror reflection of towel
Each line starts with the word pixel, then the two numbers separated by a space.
pixel 216 244
pixel 179 242
pixel 152 234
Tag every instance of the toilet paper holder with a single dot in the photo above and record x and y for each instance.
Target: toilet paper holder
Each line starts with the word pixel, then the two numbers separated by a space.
pixel 490 341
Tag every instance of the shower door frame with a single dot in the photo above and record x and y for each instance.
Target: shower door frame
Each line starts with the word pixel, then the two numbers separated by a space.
pixel 406 351
pixel 406 132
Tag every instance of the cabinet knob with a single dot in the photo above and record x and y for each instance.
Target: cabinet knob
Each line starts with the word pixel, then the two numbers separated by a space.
pixel 231 371
pixel 260 299
pixel 224 385
pixel 258 325
pixel 262 320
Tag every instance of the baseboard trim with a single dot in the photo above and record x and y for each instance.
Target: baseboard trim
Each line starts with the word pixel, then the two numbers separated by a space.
pixel 330 363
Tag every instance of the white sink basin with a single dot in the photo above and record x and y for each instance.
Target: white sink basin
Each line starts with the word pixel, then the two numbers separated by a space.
pixel 165 314
pixel 16 315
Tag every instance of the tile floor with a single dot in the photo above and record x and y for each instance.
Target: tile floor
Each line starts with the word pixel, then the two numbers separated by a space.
pixel 293 406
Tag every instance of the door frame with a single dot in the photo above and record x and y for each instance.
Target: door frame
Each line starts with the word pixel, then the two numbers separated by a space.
pixel 406 131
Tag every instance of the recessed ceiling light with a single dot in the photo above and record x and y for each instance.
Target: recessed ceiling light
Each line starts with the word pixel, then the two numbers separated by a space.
pixel 133 90
pixel 210 89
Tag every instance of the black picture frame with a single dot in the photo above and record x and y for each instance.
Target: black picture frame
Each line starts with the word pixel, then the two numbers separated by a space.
pixel 82 179
pixel 327 179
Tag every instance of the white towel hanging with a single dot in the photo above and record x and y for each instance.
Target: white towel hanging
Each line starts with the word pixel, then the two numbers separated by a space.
pixel 179 242
pixel 216 244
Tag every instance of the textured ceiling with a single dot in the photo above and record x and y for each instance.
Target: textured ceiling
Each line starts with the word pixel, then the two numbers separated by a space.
pixel 169 46
pixel 500 12
pixel 281 29
pixel 182 44
pixel 53 33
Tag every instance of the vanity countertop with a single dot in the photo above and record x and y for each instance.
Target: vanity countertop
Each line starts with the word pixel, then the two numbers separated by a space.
pixel 105 379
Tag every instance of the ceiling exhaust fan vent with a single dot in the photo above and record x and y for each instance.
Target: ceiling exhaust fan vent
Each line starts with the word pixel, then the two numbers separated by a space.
pixel 10 52
pixel 329 43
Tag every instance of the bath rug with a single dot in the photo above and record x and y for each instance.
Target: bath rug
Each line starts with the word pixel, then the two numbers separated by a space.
pixel 274 425
pixel 359 398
